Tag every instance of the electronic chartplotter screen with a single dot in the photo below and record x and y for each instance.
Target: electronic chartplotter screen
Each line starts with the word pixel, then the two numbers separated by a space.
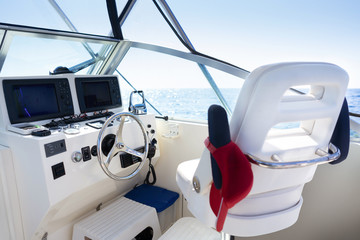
pixel 98 93
pixel 30 100
pixel 35 100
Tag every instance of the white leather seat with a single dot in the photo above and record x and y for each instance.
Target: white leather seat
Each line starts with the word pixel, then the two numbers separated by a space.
pixel 275 199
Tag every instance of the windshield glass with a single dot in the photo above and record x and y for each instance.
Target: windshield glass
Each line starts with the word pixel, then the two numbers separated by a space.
pixel 146 24
pixel 36 54
pixel 174 86
pixel 87 18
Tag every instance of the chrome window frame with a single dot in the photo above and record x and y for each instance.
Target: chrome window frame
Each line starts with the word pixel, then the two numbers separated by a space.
pixel 10 31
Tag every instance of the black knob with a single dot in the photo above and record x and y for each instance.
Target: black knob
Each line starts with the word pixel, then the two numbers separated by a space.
pixel 107 143
pixel 94 150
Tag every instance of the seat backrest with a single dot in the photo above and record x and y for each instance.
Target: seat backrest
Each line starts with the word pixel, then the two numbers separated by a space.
pixel 264 103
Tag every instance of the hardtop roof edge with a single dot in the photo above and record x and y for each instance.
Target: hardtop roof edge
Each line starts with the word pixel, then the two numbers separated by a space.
pixel 30 29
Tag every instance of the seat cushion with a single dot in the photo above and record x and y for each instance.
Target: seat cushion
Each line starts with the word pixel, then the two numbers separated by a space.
pixel 156 197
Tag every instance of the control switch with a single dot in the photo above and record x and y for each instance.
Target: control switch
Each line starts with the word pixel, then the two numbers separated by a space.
pixel 86 153
pixel 54 148
pixel 58 170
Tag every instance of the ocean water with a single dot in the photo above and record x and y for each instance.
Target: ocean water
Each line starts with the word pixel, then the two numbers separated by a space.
pixel 184 103
pixel 193 103
pixel 353 98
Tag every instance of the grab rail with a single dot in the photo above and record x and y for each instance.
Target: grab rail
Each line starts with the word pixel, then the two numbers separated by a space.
pixel 278 163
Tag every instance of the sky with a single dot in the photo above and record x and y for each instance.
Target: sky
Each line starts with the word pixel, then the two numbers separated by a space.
pixel 252 33
pixel 246 33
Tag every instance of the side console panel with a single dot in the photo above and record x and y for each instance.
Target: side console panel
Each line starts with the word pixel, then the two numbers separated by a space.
pixel 10 213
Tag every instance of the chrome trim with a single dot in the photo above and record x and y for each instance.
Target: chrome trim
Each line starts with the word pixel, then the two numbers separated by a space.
pixel 226 236
pixel 216 89
pixel 76 156
pixel 114 58
pixel 2 37
pixel 4 47
pixel 56 34
pixel 126 14
pixel 176 23
pixel 278 163
pixel 196 184
pixel 67 21
pixel 96 66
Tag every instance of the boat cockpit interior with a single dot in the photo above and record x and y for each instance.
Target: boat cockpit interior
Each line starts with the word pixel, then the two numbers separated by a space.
pixel 86 154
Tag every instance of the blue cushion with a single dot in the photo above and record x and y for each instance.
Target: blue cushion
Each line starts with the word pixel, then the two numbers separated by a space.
pixel 219 135
pixel 341 134
pixel 156 197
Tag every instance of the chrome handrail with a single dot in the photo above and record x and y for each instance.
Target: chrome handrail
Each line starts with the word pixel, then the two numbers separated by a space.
pixel 278 163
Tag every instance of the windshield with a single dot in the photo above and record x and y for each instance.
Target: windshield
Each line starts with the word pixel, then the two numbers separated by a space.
pixel 46 54
pixel 247 34
pixel 87 18
pixel 176 87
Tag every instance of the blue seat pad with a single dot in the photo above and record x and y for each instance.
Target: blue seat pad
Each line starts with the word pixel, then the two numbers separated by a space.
pixel 153 196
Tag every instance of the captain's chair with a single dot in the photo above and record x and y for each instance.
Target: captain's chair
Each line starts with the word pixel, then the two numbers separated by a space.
pixel 282 160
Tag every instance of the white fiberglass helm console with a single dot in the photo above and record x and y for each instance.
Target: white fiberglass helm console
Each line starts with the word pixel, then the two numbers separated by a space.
pixel 275 199
pixel 50 175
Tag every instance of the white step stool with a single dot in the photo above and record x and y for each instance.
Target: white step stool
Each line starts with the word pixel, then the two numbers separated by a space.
pixel 121 220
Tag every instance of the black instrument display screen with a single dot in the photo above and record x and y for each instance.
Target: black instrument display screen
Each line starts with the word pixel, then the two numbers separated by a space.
pixel 35 100
pixel 96 94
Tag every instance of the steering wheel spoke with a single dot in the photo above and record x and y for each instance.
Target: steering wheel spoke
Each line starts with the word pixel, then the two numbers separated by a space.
pixel 119 137
pixel 133 152
pixel 114 150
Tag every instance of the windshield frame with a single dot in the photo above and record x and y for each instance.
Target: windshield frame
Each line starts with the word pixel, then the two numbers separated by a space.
pixel 10 31
pixel 114 57
pixel 13 30
pixel 109 67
